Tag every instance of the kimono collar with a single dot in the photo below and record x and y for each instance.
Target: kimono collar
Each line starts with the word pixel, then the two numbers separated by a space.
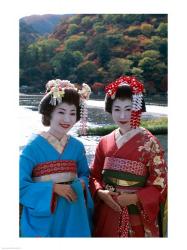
pixel 122 139
pixel 59 145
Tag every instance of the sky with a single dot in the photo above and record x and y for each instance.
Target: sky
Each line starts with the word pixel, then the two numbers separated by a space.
pixel 11 12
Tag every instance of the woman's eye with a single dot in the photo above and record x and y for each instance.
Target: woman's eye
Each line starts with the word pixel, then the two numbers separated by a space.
pixel 73 114
pixel 60 112
pixel 116 110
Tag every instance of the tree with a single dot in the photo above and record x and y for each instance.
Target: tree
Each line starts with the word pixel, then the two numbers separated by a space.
pixel 86 72
pixel 151 54
pixel 147 29
pixel 162 29
pixel 46 48
pixel 64 63
pixel 72 29
pixel 135 58
pixel 114 40
pixel 137 72
pixel 75 42
pixel 86 22
pixel 153 70
pixel 147 64
pixel 102 49
pixel 78 57
pixel 99 27
pixel 119 66
pixel 98 87
pixel 133 30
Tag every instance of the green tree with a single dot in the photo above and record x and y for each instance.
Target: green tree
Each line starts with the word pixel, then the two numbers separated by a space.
pixel 162 29
pixel 137 72
pixel 135 58
pixel 114 40
pixel 153 70
pixel 42 50
pixel 78 57
pixel 151 54
pixel 33 54
pixel 102 49
pixel 147 29
pixel 87 72
pixel 99 27
pixel 47 48
pixel 75 42
pixel 64 63
pixel 119 66
pixel 133 30
pixel 147 64
pixel 72 29
pixel 86 22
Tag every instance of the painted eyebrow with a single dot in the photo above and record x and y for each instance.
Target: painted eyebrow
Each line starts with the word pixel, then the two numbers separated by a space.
pixel 65 109
pixel 128 106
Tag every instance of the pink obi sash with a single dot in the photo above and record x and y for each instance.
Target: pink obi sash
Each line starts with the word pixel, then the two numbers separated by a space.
pixel 124 165
pixel 56 171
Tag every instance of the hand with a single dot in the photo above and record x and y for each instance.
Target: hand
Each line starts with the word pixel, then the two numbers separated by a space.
pixel 106 196
pixel 126 199
pixel 66 191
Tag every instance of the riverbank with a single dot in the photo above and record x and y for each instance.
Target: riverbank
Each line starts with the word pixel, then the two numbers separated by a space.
pixel 157 127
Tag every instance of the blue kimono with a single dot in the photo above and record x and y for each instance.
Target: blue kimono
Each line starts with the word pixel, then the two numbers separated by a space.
pixel 45 214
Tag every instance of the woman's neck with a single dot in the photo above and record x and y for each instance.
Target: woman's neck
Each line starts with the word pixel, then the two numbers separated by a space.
pixel 55 134
pixel 125 130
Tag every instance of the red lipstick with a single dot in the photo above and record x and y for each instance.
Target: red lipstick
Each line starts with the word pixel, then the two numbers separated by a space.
pixel 123 122
pixel 65 125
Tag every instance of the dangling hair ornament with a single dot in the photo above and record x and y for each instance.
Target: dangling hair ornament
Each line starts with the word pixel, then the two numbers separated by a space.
pixel 84 94
pixel 137 96
pixel 57 90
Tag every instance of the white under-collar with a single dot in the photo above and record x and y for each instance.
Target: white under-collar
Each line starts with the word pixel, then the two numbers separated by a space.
pixel 122 139
pixel 59 145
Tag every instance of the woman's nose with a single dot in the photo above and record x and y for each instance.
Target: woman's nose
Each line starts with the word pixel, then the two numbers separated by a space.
pixel 122 115
pixel 66 118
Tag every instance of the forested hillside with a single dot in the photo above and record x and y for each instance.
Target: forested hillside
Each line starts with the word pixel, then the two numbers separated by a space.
pixel 27 34
pixel 43 24
pixel 98 48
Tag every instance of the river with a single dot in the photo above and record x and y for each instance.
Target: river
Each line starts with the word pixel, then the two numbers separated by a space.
pixel 30 121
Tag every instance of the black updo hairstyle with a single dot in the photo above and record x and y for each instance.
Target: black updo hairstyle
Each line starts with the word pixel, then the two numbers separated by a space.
pixel 123 92
pixel 70 97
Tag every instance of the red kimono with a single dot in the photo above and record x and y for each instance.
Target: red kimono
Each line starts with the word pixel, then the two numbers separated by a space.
pixel 132 163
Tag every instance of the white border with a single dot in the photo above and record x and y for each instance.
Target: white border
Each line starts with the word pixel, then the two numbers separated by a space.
pixel 11 11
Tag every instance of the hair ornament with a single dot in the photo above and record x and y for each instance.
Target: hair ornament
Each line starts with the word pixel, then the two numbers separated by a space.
pixel 56 88
pixel 137 89
pixel 84 94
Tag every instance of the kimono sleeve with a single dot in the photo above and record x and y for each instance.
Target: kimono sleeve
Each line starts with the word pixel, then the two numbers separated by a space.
pixel 36 196
pixel 96 170
pixel 155 190
pixel 83 169
pixel 83 174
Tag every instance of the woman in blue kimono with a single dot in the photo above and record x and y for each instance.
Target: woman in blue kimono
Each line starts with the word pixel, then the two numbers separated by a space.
pixel 54 171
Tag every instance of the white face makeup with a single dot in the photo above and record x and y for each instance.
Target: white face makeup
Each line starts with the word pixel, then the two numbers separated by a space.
pixel 121 114
pixel 63 118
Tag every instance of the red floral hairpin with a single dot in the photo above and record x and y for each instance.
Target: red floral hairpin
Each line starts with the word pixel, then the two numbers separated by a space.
pixel 136 86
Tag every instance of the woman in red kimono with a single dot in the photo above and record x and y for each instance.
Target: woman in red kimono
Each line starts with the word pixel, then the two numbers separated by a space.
pixel 128 175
